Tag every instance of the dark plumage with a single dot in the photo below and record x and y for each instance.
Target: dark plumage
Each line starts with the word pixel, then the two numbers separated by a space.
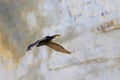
pixel 48 42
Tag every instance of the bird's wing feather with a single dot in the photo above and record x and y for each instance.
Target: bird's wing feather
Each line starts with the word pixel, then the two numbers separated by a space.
pixel 32 45
pixel 57 47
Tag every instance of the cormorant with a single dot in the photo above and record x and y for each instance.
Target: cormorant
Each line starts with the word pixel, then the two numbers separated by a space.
pixel 48 42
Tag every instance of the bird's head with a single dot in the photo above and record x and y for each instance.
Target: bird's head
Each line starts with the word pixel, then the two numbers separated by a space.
pixel 55 36
pixel 49 38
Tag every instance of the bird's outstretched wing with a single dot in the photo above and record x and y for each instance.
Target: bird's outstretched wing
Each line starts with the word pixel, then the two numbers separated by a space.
pixel 57 47
pixel 32 45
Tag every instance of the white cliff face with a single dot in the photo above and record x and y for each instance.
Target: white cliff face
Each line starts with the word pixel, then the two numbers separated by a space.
pixel 89 29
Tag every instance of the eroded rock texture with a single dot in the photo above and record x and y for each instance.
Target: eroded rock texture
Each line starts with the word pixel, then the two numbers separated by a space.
pixel 89 28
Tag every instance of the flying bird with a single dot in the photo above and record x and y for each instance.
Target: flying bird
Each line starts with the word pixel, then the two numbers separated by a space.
pixel 48 42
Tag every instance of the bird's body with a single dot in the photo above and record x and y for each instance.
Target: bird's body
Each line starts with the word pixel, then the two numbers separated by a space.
pixel 48 42
pixel 45 41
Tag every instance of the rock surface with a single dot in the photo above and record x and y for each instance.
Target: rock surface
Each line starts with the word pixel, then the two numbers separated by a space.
pixel 88 28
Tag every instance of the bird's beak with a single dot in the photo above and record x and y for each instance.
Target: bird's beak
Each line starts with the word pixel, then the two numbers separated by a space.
pixel 56 36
